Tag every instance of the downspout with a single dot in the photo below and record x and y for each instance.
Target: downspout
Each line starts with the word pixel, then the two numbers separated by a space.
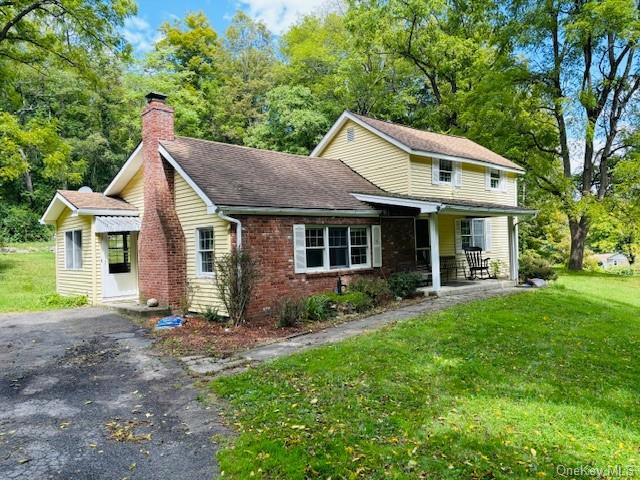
pixel 238 227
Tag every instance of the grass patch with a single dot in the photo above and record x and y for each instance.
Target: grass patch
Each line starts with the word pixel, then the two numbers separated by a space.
pixel 510 387
pixel 27 281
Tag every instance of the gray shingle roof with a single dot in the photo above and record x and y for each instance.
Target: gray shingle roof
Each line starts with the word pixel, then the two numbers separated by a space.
pixel 95 200
pixel 437 142
pixel 242 176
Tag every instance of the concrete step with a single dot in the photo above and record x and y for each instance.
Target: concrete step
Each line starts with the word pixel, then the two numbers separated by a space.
pixel 476 286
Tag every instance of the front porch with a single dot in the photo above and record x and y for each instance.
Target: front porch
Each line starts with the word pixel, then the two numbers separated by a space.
pixel 464 287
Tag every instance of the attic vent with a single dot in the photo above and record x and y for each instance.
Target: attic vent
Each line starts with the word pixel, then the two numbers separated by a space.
pixel 351 134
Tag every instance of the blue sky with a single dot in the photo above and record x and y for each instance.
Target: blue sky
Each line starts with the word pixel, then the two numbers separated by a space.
pixel 142 30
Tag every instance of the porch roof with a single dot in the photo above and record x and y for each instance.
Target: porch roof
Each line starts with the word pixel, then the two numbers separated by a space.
pixel 444 205
pixel 86 203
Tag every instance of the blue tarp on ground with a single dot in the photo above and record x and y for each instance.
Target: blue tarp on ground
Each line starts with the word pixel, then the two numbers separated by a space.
pixel 172 321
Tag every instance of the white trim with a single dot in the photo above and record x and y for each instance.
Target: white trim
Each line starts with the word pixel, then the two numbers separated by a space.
pixel 420 153
pixel 211 208
pixel 434 243
pixel 124 175
pixel 57 198
pixel 485 211
pixel 106 211
pixel 424 206
pixel 73 249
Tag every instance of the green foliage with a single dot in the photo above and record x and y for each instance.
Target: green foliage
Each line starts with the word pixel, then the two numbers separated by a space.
pixel 318 308
pixel 420 400
pixel 211 314
pixel 21 224
pixel 404 284
pixel 290 311
pixel 377 289
pixel 533 265
pixel 55 300
pixel 350 302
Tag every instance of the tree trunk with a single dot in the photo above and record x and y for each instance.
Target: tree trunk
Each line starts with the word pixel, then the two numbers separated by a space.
pixel 579 229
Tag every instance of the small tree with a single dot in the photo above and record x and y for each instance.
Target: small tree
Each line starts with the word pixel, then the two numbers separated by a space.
pixel 236 275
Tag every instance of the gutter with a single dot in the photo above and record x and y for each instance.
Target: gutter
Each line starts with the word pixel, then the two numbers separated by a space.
pixel 238 227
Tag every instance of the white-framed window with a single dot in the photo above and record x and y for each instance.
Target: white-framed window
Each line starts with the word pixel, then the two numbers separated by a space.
pixel 328 248
pixel 204 251
pixel 494 179
pixel 73 249
pixel 473 233
pixel 445 171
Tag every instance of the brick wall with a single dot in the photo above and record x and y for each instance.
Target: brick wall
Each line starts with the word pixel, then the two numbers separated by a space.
pixel 161 248
pixel 398 244
pixel 270 240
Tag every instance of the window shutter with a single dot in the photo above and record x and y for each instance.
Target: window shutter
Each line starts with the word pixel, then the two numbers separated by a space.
pixel 435 171
pixel 458 235
pixel 68 249
pixel 487 234
pixel 457 174
pixel 503 181
pixel 376 241
pixel 299 249
pixel 487 178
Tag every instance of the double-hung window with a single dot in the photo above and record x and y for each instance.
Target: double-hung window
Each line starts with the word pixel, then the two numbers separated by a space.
pixel 73 249
pixel 334 248
pixel 204 253
pixel 472 233
pixel 495 179
pixel 445 172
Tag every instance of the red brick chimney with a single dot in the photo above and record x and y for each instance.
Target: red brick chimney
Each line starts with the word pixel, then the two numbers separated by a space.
pixel 161 245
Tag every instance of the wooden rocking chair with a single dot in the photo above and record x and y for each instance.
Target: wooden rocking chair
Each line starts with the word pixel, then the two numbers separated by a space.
pixel 477 264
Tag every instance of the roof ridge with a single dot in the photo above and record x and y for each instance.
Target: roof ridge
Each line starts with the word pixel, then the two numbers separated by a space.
pixel 397 124
pixel 245 147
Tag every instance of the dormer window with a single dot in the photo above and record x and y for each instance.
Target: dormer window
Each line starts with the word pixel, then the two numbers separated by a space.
pixel 445 174
pixel 351 134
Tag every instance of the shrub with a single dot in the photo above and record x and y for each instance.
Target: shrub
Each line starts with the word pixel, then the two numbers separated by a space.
pixel 404 284
pixel 290 311
pixel 211 315
pixel 350 302
pixel 621 271
pixel 236 274
pixel 532 265
pixel 495 267
pixel 375 288
pixel 20 224
pixel 58 301
pixel 317 307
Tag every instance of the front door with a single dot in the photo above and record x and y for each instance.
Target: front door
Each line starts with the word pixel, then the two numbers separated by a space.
pixel 119 272
pixel 423 250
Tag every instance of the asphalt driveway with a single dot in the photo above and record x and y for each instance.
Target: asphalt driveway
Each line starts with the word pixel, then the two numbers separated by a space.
pixel 83 397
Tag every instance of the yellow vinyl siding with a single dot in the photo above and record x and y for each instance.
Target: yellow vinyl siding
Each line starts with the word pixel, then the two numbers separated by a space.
pixel 377 160
pixel 192 213
pixel 499 239
pixel 473 184
pixel 81 281
pixel 133 192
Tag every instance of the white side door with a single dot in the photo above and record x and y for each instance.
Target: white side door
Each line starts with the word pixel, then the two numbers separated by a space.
pixel 119 265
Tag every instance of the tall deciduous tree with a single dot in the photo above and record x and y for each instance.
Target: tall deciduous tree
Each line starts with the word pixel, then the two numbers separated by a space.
pixel 583 54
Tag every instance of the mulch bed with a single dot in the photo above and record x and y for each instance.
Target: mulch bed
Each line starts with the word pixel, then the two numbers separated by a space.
pixel 200 337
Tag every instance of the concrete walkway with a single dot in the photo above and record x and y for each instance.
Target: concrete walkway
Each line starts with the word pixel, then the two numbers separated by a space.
pixel 239 361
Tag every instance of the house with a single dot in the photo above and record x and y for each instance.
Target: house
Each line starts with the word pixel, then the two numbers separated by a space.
pixel 373 198
pixel 608 260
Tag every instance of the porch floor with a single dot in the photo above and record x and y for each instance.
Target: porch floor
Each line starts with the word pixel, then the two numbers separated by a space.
pixel 460 287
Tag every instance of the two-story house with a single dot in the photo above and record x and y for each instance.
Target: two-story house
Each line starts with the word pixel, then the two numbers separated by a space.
pixel 373 198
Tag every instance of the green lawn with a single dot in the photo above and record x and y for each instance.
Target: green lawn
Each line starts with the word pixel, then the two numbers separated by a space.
pixel 514 387
pixel 27 280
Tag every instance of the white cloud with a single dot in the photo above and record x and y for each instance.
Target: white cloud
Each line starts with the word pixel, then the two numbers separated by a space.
pixel 140 34
pixel 278 15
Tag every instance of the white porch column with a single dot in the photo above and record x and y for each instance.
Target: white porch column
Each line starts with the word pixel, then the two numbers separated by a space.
pixel 513 248
pixel 434 245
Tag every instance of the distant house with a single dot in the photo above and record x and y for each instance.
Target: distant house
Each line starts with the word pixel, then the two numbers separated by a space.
pixel 372 199
pixel 608 260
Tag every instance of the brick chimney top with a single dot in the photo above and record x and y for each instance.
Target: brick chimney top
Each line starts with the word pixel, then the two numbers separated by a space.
pixel 156 96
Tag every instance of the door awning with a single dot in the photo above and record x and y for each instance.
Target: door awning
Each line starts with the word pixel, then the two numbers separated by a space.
pixel 106 224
